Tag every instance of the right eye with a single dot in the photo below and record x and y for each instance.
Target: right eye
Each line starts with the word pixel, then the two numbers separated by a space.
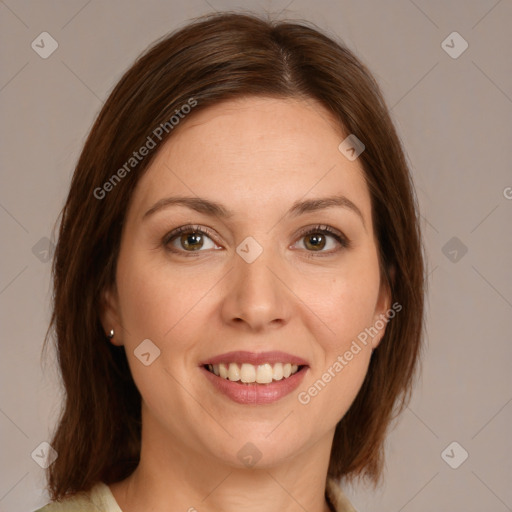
pixel 189 239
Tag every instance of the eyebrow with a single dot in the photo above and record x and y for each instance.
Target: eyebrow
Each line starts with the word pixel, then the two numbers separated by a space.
pixel 214 208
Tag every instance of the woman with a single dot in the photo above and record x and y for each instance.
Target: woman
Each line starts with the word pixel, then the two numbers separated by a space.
pixel 238 281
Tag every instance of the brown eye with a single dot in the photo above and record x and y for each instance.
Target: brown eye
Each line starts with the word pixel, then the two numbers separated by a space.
pixel 323 239
pixel 193 241
pixel 188 239
pixel 315 241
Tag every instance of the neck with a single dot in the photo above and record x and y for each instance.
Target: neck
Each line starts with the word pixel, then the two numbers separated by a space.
pixel 170 472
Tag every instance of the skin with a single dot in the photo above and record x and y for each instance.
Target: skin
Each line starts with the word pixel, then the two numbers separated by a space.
pixel 256 156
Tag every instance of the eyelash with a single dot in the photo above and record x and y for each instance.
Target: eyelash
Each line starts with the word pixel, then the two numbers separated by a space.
pixel 318 229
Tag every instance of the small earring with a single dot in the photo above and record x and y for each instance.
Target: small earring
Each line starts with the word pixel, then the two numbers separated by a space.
pixel 110 335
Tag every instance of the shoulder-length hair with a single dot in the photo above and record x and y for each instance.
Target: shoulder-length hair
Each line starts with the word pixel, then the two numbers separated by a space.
pixel 215 58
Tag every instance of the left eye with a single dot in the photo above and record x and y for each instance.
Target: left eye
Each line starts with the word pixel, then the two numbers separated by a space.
pixel 320 238
pixel 318 241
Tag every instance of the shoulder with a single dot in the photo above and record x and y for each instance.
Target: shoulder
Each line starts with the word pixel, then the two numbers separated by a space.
pixel 98 498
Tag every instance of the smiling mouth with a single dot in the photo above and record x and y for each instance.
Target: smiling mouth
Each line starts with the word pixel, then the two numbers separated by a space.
pixel 246 373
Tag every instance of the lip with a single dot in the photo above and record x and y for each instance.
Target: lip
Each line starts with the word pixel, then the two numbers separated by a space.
pixel 255 394
pixel 242 356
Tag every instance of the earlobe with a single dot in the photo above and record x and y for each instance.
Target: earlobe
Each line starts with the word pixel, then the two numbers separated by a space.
pixel 109 315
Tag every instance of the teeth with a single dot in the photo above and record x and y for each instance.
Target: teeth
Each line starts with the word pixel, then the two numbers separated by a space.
pixel 248 373
pixel 223 371
pixel 233 372
pixel 264 373
pixel 277 373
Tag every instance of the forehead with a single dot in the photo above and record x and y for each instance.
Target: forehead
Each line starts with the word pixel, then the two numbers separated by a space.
pixel 274 150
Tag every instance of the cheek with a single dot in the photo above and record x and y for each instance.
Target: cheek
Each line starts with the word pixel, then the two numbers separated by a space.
pixel 342 314
pixel 145 296
pixel 343 301
pixel 351 311
pixel 158 301
pixel 155 305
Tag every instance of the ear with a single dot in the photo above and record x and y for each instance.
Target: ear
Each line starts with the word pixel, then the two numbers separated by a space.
pixel 381 316
pixel 110 317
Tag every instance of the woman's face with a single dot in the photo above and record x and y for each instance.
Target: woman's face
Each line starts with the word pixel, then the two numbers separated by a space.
pixel 255 282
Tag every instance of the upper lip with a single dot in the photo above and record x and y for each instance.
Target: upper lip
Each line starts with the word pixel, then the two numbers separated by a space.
pixel 242 356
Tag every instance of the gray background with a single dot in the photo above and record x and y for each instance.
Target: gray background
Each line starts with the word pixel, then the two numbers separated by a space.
pixel 454 116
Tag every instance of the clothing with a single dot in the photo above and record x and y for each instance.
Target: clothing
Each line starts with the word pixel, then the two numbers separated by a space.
pixel 98 499
pixel 335 495
pixel 101 499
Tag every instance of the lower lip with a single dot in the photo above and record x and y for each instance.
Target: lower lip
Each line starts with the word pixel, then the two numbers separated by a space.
pixel 256 394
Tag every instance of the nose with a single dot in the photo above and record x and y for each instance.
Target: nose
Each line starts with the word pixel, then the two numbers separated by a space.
pixel 257 297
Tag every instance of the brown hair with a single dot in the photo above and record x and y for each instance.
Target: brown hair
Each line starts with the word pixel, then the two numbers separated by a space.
pixel 220 57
